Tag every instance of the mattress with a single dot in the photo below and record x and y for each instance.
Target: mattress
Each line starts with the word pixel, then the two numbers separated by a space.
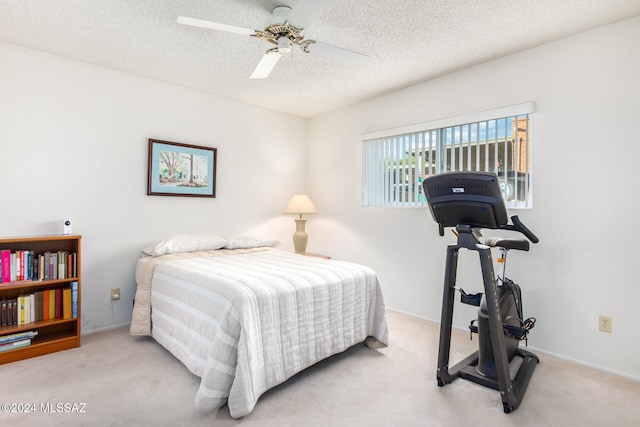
pixel 246 320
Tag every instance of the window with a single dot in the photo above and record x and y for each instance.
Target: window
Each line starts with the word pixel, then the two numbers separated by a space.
pixel 499 141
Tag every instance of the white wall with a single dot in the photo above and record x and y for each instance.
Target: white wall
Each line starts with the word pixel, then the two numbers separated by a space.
pixel 585 162
pixel 73 144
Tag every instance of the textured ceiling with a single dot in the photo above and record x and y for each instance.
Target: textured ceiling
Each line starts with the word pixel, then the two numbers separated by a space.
pixel 408 41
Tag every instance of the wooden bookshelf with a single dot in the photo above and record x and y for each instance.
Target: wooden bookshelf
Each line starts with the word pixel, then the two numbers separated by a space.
pixel 54 334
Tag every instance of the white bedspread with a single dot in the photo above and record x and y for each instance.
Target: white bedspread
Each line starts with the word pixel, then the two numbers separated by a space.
pixel 247 320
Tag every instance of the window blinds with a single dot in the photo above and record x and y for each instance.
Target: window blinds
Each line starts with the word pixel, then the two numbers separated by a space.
pixel 396 163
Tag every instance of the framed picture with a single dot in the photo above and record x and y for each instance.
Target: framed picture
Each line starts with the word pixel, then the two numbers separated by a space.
pixel 177 169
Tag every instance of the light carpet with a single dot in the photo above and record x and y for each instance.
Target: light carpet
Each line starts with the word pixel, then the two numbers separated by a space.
pixel 114 379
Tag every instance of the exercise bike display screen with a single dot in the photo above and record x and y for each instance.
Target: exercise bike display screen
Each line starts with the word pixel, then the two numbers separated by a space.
pixel 470 198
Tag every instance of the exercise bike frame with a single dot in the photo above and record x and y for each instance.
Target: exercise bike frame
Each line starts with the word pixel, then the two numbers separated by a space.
pixel 511 390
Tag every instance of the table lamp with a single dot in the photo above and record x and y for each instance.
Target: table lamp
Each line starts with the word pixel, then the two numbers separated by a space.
pixel 300 204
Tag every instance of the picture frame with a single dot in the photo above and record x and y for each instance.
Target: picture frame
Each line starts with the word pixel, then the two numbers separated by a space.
pixel 177 169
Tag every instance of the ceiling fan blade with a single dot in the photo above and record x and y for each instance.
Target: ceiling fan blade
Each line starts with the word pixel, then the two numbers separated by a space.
pixel 215 26
pixel 266 64
pixel 345 56
pixel 306 12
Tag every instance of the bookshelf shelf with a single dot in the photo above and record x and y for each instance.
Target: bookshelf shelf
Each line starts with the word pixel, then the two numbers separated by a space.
pixel 25 285
pixel 5 330
pixel 53 334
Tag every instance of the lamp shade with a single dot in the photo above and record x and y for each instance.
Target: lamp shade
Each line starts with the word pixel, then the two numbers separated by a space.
pixel 300 204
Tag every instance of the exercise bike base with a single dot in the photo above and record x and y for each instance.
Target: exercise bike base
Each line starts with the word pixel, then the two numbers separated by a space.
pixel 524 361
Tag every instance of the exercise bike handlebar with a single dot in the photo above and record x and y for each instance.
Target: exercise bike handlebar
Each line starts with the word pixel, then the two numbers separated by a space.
pixel 519 226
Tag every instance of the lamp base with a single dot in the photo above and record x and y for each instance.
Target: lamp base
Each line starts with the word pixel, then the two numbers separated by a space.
pixel 300 237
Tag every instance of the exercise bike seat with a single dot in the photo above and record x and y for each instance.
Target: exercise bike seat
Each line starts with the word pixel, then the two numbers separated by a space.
pixel 507 243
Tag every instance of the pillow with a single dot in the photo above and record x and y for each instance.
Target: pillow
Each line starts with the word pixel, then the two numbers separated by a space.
pixel 186 243
pixel 245 242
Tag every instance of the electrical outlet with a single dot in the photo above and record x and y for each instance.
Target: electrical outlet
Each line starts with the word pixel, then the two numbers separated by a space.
pixel 115 294
pixel 605 323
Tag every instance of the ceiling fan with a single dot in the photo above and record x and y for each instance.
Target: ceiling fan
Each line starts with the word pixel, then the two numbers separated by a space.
pixel 284 29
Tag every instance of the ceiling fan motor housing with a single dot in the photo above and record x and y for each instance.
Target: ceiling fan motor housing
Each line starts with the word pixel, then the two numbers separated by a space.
pixel 279 16
pixel 280 32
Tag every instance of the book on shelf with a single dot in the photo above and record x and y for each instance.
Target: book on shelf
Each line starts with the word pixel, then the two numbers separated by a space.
pixel 4 312
pixel 6 265
pixel 52 304
pixel 74 299
pixel 27 265
pixel 14 345
pixel 18 340
pixel 58 303
pixel 21 310
pixel 8 310
pixel 20 264
pixel 67 311
pixel 17 336
pixel 40 305
pixel 12 265
pixel 16 266
pixel 26 309
pixel 45 303
pixel 53 259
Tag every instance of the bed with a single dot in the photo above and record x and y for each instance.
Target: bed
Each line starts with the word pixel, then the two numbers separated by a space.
pixel 245 316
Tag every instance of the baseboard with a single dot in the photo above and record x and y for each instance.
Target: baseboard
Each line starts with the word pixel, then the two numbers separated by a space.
pixel 585 364
pixel 105 328
pixel 415 316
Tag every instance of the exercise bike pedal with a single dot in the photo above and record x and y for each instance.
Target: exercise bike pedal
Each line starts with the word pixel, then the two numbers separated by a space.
pixel 473 329
pixel 515 331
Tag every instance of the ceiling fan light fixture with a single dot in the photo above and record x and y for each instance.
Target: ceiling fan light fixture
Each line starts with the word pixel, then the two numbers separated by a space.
pixel 284 45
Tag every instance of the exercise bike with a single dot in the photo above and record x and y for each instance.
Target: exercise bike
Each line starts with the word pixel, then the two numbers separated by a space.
pixel 471 201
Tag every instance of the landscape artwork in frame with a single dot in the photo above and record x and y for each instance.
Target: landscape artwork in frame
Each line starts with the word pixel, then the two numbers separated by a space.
pixel 177 169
